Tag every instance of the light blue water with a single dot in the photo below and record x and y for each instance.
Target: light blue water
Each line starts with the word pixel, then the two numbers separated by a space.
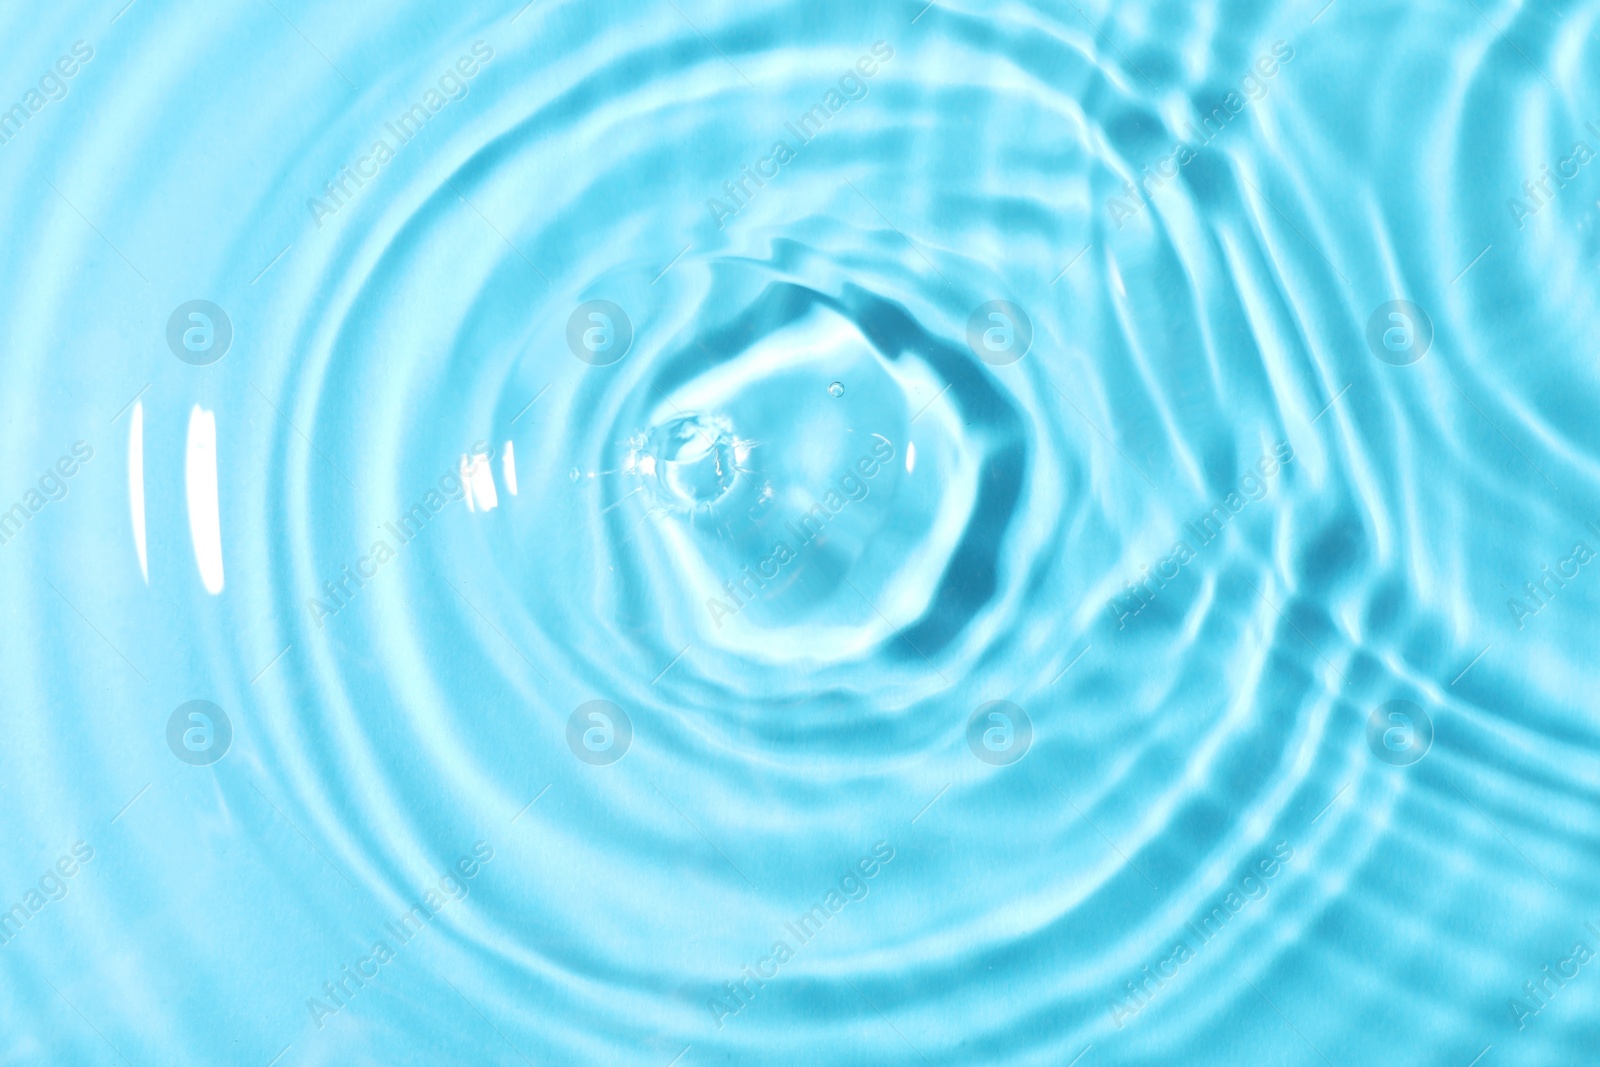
pixel 735 533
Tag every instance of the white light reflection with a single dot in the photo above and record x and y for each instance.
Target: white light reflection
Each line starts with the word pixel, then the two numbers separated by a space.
pixel 480 482
pixel 200 479
pixel 508 468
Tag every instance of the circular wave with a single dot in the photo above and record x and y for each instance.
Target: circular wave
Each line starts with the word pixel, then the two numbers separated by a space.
pixel 805 533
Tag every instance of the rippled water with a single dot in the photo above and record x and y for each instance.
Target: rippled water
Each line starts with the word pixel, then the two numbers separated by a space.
pixel 799 533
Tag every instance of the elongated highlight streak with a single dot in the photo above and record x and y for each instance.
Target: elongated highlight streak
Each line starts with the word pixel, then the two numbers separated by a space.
pixel 205 516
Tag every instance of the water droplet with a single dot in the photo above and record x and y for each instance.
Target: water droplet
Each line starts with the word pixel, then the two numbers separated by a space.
pixel 575 474
pixel 837 389
pixel 694 459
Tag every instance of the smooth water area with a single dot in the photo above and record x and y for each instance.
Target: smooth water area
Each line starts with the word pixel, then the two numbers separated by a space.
pixel 777 533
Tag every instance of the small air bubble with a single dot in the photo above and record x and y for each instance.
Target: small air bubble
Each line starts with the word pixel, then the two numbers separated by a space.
pixel 575 474
pixel 837 389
